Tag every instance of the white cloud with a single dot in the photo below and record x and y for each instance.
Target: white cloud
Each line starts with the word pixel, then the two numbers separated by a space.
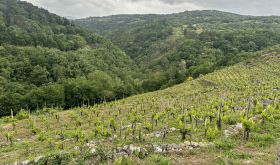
pixel 85 8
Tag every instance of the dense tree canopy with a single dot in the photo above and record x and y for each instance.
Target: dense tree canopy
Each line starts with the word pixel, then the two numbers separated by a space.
pixel 23 24
pixel 201 41
pixel 45 60
pixel 37 77
pixel 48 61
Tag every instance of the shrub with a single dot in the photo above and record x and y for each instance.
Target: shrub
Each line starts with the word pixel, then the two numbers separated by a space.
pixel 147 126
pixel 231 120
pixel 22 115
pixel 212 133
pixel 103 154
pixel 58 158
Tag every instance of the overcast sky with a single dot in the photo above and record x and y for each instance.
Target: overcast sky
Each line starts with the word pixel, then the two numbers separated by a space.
pixel 86 8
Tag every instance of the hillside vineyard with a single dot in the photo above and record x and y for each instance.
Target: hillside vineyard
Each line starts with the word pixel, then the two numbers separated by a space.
pixel 197 87
pixel 190 116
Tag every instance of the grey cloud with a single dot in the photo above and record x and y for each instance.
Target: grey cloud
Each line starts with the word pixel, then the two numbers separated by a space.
pixel 85 8
pixel 167 1
pixel 251 7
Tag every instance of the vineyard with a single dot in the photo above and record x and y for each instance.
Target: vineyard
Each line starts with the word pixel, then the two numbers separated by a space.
pixel 230 116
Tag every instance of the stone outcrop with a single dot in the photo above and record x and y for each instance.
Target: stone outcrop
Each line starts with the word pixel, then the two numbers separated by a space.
pixel 180 147
pixel 233 130
pixel 161 133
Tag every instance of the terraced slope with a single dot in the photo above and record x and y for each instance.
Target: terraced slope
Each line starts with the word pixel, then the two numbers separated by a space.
pixel 229 116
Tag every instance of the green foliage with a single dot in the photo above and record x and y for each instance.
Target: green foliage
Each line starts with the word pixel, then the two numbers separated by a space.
pixel 231 120
pixel 10 136
pixel 147 126
pixel 113 124
pixel 192 107
pixel 262 140
pixel 248 123
pixel 57 158
pixel 59 145
pixel 25 25
pixel 103 154
pixel 22 115
pixel 47 61
pixel 50 143
pixel 124 161
pixel 225 143
pixel 267 114
pixel 238 155
pixel 72 78
pixel 27 146
pixel 84 71
pixel 258 108
pixel 212 133
pixel 169 48
pixel 155 159
pixel 42 136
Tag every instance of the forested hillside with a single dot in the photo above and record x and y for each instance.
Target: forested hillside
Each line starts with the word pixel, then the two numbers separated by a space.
pixel 169 48
pixel 47 61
